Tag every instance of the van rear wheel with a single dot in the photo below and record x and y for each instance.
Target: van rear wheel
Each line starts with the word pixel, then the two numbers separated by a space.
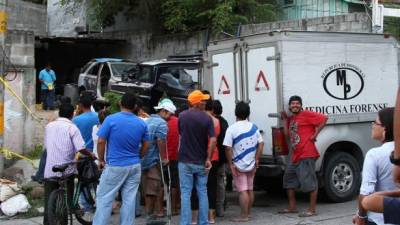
pixel 342 177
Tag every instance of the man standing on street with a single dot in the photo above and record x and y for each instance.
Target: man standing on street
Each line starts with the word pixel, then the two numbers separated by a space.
pixel 85 123
pixel 47 77
pixel 302 129
pixel 157 132
pixel 62 140
pixel 197 144
pixel 123 133
pixel 86 120
pixel 222 161
pixel 244 146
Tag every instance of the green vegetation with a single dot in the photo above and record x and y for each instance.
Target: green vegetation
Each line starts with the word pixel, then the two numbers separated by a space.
pixel 36 152
pixel 114 99
pixel 391 25
pixel 173 16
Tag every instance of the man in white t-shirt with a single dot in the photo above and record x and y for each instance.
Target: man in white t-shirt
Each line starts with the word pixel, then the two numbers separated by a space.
pixel 244 145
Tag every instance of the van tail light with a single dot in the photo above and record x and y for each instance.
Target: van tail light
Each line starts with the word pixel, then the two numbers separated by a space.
pixel 279 144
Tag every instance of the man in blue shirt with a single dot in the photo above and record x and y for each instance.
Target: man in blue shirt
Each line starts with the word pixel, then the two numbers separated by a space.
pixel 123 133
pixel 85 122
pixel 157 132
pixel 47 77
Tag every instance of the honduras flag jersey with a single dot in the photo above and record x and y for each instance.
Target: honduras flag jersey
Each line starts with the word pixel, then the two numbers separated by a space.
pixel 243 137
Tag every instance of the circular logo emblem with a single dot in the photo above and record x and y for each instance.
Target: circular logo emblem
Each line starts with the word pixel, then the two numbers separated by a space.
pixel 343 81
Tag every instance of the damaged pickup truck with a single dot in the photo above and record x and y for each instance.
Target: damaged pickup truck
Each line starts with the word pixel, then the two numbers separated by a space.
pixel 173 78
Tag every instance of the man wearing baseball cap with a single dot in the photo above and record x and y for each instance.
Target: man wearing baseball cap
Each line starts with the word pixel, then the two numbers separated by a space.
pixel 157 131
pixel 196 130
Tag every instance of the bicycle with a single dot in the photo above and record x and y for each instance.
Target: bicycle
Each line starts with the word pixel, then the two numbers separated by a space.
pixel 58 208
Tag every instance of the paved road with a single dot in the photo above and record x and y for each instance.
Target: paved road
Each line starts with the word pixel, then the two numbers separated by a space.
pixel 265 213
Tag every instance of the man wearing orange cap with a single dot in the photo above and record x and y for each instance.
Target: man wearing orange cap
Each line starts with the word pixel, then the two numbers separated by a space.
pixel 195 151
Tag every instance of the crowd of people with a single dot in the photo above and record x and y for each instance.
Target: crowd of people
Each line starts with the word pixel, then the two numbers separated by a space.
pixel 190 152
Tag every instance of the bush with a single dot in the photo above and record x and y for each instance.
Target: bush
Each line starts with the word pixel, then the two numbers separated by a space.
pixel 36 152
pixel 114 99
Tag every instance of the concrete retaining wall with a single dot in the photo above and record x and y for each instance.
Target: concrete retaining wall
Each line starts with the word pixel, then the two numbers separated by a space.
pixel 144 46
pixel 65 21
pixel 27 16
pixel 19 125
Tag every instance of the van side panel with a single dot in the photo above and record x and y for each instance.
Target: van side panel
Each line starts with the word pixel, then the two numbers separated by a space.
pixel 339 78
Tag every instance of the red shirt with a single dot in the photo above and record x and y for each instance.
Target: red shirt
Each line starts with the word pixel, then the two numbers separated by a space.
pixel 173 138
pixel 301 128
pixel 217 130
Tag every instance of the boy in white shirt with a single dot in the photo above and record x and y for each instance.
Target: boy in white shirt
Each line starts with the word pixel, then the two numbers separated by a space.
pixel 244 145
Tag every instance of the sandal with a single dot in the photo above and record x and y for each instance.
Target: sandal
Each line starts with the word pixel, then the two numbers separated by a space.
pixel 288 211
pixel 307 214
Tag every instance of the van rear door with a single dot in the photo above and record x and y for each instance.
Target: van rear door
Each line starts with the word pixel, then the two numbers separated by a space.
pixel 260 82
pixel 225 81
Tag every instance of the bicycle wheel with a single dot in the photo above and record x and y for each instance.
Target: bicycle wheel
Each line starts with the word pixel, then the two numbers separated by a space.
pixel 58 208
pixel 89 193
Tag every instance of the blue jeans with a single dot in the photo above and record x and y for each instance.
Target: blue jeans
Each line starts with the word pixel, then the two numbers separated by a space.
pixel 39 176
pixel 138 210
pixel 47 98
pixel 190 174
pixel 114 178
pixel 83 202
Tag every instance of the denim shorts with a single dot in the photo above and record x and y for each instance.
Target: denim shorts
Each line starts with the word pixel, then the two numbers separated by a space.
pixel 301 176
pixel 391 209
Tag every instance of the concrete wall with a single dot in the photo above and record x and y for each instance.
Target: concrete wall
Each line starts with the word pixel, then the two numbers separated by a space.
pixel 19 125
pixel 65 21
pixel 144 46
pixel 353 22
pixel 27 16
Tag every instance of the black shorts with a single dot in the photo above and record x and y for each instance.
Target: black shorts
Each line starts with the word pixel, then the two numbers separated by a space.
pixel 301 176
pixel 173 168
pixel 391 209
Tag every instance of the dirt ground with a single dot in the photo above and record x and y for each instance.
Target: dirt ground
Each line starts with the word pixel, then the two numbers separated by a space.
pixel 46 117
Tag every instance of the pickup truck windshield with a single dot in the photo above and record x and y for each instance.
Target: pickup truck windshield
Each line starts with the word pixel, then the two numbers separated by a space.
pixel 121 68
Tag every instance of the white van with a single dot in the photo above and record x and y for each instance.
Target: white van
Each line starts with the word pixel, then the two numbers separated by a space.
pixel 347 76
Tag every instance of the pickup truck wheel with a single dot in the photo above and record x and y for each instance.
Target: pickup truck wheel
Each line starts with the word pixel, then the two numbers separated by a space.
pixel 342 177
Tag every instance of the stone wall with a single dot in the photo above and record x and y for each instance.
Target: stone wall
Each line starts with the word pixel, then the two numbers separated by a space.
pixel 28 16
pixel 67 20
pixel 19 125
pixel 353 22
pixel 145 46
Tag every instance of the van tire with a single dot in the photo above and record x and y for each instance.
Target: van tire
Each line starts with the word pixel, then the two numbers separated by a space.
pixel 342 177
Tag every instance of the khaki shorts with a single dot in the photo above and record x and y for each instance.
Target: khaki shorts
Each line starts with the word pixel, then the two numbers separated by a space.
pixel 151 181
pixel 301 176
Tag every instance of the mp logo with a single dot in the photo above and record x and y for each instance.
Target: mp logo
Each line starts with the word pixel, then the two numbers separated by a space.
pixel 343 81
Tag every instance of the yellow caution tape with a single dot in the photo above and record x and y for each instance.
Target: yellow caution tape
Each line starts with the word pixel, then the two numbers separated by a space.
pixel 3 21
pixel 8 154
pixel 5 83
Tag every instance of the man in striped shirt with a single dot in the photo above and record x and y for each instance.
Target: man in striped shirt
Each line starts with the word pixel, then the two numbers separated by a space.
pixel 157 132
pixel 62 140
pixel 244 145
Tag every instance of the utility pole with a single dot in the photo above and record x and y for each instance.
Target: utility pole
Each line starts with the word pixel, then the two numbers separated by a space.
pixel 3 31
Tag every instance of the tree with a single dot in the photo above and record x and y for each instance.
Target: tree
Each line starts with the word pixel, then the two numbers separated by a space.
pixel 184 15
